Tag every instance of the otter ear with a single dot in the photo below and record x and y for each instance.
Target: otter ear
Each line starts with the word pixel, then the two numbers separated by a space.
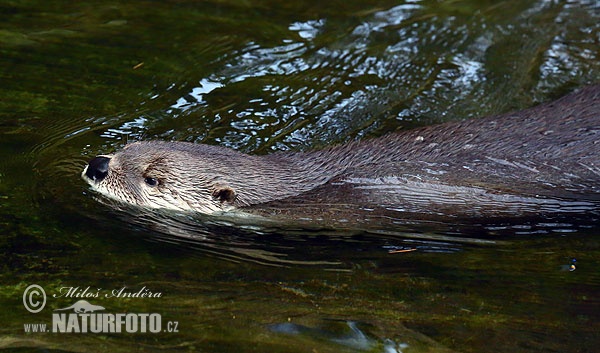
pixel 224 193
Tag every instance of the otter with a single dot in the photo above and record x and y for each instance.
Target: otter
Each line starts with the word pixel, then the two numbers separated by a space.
pixel 538 161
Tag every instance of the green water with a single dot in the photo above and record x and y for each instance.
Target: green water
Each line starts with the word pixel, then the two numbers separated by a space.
pixel 81 78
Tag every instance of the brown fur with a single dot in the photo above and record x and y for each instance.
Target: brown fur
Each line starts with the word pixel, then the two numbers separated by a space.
pixel 541 160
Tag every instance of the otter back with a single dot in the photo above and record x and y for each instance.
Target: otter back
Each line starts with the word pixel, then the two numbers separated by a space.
pixel 540 161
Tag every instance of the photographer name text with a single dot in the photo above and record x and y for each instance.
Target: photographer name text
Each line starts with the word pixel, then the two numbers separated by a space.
pixel 89 292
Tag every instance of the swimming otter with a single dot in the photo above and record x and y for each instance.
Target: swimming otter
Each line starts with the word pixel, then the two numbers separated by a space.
pixel 541 160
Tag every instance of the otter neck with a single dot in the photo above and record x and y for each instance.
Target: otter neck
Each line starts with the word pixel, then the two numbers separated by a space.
pixel 267 178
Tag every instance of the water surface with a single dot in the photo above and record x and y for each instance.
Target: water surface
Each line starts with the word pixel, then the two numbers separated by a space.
pixel 83 78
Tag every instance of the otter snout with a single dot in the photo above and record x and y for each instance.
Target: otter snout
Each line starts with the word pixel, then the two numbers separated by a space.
pixel 97 169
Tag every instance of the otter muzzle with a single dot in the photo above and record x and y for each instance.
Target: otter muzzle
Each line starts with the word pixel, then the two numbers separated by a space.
pixel 97 169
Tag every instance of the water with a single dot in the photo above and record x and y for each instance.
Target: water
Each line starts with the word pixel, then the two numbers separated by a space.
pixel 80 79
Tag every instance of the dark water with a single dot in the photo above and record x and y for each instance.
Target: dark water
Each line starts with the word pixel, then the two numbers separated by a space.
pixel 82 78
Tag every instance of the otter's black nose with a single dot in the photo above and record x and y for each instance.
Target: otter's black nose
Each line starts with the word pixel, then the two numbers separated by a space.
pixel 97 168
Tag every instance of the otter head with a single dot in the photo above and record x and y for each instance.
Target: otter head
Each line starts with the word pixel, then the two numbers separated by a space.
pixel 179 176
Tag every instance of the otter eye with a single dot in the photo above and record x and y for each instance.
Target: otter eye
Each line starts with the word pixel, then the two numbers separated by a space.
pixel 151 181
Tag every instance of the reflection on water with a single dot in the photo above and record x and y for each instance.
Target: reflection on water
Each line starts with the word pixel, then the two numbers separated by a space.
pixel 351 335
pixel 238 239
pixel 410 63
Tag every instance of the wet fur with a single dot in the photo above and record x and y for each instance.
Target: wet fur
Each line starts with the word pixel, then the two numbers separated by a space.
pixel 543 159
